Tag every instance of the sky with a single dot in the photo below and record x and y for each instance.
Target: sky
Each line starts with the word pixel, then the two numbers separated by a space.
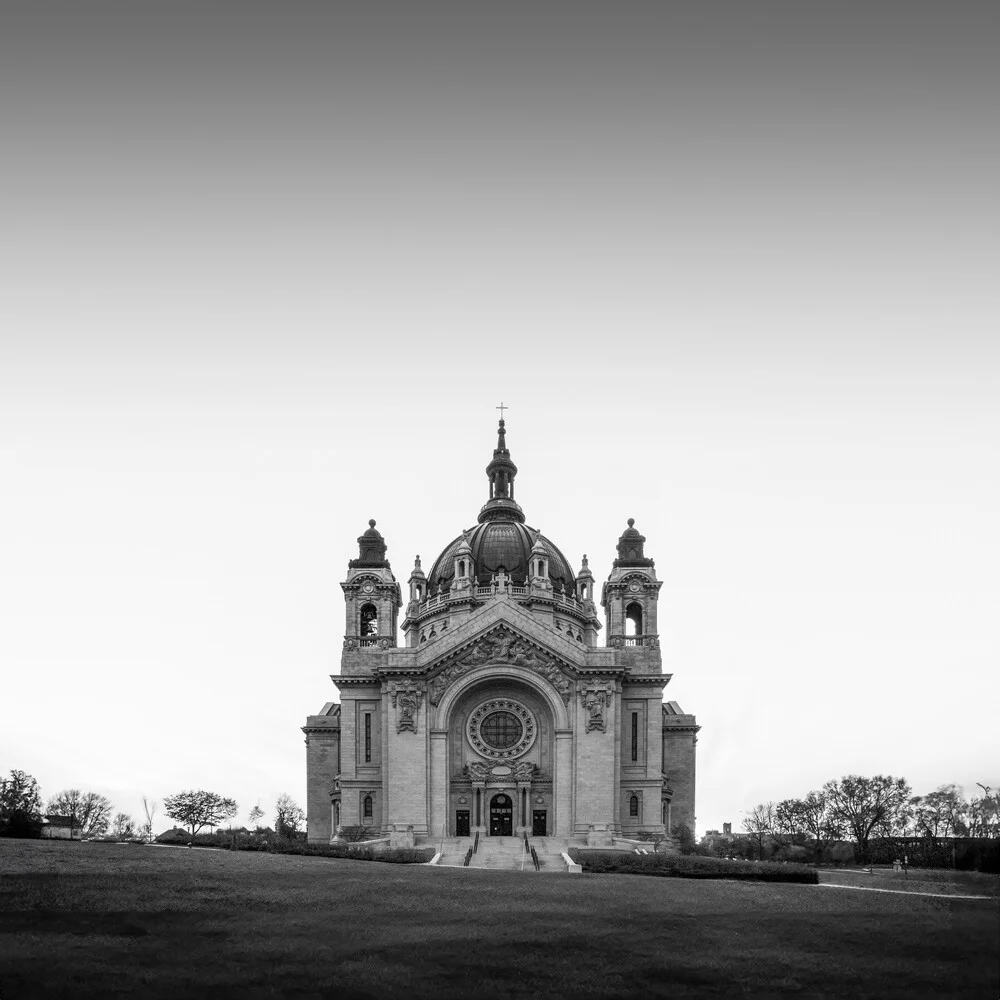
pixel 267 270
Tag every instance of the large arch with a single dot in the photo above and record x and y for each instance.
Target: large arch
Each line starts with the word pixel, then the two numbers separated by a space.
pixel 442 723
pixel 495 672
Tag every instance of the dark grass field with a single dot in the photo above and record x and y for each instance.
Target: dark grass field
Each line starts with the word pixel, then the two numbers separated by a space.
pixel 95 920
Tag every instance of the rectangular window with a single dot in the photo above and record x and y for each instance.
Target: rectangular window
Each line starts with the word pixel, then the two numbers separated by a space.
pixel 368 737
pixel 635 736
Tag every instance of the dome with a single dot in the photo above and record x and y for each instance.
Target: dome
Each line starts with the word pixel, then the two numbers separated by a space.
pixel 497 544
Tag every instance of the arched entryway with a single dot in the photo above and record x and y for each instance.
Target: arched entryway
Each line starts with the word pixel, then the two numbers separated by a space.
pixel 501 816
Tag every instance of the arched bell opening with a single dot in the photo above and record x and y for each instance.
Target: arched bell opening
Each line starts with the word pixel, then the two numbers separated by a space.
pixel 369 620
pixel 633 619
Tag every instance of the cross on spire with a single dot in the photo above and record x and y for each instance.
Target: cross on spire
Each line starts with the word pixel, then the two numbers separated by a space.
pixel 501 408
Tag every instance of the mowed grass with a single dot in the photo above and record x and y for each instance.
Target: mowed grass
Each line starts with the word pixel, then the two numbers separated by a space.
pixel 94 920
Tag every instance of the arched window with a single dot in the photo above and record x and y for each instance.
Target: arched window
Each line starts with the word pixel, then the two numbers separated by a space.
pixel 367 810
pixel 369 619
pixel 417 589
pixel 633 806
pixel 461 567
pixel 633 619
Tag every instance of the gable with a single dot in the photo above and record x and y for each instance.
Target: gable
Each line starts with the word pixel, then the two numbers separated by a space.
pixel 501 645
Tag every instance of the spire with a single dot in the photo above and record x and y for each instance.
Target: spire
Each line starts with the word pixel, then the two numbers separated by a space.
pixel 501 472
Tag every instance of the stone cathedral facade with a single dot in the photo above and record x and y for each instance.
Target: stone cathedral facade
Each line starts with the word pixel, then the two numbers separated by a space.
pixel 501 713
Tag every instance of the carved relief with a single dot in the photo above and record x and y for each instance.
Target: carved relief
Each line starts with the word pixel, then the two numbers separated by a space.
pixel 406 700
pixel 597 701
pixel 501 646
pixel 479 770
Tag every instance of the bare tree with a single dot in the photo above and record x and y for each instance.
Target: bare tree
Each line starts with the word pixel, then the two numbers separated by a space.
pixel 937 813
pixel 759 822
pixel 149 810
pixel 89 812
pixel 255 816
pixel 198 809
pixel 123 827
pixel 818 821
pixel 863 805
pixel 984 813
pixel 288 817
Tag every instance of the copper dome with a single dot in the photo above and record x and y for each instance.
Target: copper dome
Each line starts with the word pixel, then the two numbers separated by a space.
pixel 500 544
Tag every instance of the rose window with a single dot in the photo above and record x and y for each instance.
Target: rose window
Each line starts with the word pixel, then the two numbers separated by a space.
pixel 501 729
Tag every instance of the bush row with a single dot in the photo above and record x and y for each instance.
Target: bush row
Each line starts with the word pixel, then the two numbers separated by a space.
pixel 690 866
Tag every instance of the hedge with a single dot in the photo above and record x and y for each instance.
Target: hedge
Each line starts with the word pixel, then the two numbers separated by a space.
pixel 690 866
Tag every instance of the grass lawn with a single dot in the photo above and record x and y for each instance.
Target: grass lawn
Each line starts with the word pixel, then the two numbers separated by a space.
pixel 96 920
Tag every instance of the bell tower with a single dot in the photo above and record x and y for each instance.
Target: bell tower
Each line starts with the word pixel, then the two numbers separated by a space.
pixel 630 593
pixel 371 594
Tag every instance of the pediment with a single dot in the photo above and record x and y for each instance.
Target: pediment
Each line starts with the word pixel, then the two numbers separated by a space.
pixel 501 644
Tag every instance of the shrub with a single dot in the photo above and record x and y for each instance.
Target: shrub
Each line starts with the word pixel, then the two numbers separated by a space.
pixel 689 866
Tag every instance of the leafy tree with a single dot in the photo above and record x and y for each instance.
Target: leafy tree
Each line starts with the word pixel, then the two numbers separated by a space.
pixel 20 805
pixel 685 838
pixel 198 809
pixel 88 812
pixel 123 827
pixel 255 816
pixel 288 817
pixel 864 805
pixel 759 822
pixel 149 811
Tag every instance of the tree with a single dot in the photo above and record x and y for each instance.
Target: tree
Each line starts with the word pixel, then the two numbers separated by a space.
pixel 198 809
pixel 787 819
pixel 20 805
pixel 255 816
pixel 684 836
pixel 123 827
pixel 759 822
pixel 984 813
pixel 818 821
pixel 287 816
pixel 88 812
pixel 863 805
pixel 937 813
pixel 149 811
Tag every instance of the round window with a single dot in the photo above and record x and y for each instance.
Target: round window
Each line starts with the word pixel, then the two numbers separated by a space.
pixel 501 729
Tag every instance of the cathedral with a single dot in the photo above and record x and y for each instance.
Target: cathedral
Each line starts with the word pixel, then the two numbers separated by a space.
pixel 501 713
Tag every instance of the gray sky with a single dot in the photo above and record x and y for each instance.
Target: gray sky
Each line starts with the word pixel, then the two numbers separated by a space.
pixel 266 274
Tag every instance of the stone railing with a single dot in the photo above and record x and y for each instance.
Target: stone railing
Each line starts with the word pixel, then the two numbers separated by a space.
pixel 633 640
pixel 369 641
pixel 439 600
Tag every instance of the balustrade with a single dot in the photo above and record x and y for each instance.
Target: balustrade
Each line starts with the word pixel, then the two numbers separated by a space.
pixel 633 640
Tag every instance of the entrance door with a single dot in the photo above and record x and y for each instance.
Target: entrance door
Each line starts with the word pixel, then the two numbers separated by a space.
pixel 538 823
pixel 501 816
pixel 462 823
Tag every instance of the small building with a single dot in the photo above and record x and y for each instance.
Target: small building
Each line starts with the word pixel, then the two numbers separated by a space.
pixel 56 827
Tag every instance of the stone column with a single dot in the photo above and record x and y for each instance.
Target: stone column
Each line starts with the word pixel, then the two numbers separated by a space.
pixel 562 792
pixel 439 784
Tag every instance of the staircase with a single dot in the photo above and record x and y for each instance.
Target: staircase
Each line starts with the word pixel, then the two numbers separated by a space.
pixel 501 854
pixel 454 849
